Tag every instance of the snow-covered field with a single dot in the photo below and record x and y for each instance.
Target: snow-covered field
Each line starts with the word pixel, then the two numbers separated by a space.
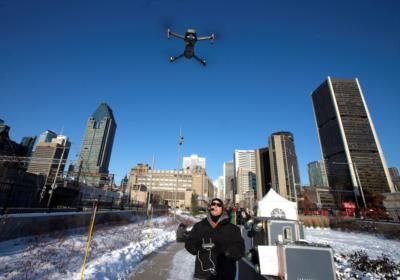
pixel 117 250
pixel 349 242
pixel 346 243
pixel 114 253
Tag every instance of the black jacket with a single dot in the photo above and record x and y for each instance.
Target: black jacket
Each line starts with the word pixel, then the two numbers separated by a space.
pixel 229 247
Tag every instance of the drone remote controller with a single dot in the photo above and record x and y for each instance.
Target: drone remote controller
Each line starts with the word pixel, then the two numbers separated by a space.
pixel 207 246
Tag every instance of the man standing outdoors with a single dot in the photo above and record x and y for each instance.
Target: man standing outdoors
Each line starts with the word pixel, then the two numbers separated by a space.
pixel 216 243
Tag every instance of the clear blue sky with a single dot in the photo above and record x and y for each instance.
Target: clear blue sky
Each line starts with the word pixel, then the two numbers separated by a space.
pixel 60 59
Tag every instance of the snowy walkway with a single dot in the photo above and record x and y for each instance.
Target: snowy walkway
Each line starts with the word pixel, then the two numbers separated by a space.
pixel 173 262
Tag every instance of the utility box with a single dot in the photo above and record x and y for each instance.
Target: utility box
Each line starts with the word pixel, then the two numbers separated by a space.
pixel 277 230
pixel 309 261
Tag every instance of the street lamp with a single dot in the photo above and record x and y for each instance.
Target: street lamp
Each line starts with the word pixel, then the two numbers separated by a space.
pixel 149 205
pixel 353 164
pixel 177 170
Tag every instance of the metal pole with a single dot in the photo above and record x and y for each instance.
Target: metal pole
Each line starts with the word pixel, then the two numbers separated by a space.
pixel 355 194
pixel 129 196
pixel 294 184
pixel 53 186
pixel 151 188
pixel 177 177
pixel 177 170
pixel 359 185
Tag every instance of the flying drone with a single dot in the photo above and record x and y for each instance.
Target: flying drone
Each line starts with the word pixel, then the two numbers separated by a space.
pixel 190 40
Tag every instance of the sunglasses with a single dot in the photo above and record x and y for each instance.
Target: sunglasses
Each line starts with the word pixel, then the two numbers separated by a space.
pixel 216 204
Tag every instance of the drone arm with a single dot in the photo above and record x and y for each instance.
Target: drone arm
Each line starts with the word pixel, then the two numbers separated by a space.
pixel 211 38
pixel 173 34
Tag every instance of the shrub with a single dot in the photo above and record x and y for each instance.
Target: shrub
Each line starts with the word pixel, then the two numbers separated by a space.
pixel 382 265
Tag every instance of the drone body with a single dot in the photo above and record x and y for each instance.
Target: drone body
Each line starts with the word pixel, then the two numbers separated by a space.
pixel 190 38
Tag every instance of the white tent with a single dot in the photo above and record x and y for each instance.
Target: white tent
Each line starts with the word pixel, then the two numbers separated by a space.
pixel 275 206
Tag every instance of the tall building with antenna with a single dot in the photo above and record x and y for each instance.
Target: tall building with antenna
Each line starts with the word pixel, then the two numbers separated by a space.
pixel 95 154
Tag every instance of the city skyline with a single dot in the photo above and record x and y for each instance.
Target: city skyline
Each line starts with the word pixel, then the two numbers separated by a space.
pixel 91 60
pixel 304 177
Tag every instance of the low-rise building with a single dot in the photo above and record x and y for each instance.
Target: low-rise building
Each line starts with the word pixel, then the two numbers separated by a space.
pixel 167 186
pixel 320 198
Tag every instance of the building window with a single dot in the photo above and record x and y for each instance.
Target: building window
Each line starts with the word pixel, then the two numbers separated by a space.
pixel 287 234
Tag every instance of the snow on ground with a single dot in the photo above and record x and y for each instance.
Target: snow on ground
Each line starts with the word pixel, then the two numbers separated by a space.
pixel 115 251
pixel 350 242
pixel 182 266
pixel 346 243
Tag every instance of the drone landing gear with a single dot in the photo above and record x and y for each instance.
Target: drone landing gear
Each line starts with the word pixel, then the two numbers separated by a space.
pixel 202 61
pixel 174 58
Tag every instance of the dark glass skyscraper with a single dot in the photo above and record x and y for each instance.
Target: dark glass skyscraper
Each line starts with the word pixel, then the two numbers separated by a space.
pixel 97 145
pixel 263 172
pixel 285 175
pixel 349 143
pixel 27 143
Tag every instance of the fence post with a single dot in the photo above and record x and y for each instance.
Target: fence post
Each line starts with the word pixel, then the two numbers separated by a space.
pixel 9 192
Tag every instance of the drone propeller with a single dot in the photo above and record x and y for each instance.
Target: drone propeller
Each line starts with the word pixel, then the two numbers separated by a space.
pixel 166 23
pixel 212 38
pixel 217 31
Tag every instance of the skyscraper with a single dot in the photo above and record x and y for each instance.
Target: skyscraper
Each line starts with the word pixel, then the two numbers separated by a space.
pixel 317 174
pixel 193 162
pixel 27 143
pixel 49 158
pixel 285 176
pixel 395 174
pixel 229 180
pixel 245 175
pixel 219 185
pixel 350 147
pixel 263 172
pixel 94 158
pixel 47 136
